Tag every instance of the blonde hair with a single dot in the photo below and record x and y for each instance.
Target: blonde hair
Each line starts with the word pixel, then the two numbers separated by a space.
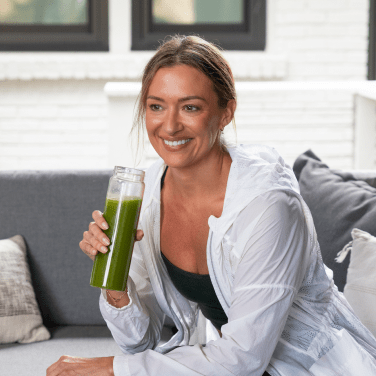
pixel 197 53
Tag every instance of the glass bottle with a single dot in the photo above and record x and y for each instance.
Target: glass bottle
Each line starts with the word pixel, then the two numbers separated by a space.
pixel 122 211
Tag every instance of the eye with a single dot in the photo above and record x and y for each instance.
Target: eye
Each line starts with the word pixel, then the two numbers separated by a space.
pixel 191 108
pixel 155 107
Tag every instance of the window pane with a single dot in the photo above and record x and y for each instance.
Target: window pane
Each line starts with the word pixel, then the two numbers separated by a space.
pixel 44 12
pixel 198 11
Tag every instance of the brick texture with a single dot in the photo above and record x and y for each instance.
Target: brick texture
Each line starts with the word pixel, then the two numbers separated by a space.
pixel 53 125
pixel 324 40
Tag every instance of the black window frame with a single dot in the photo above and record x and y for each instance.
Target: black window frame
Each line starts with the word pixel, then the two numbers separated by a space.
pixel 251 35
pixel 91 37
pixel 372 41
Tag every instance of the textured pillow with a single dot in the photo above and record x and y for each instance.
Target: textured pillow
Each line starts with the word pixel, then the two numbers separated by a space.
pixel 360 289
pixel 369 176
pixel 20 319
pixel 338 203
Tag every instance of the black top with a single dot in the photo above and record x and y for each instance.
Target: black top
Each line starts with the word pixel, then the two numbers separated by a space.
pixel 197 288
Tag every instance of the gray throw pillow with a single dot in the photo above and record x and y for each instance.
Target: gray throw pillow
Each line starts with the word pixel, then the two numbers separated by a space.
pixel 369 176
pixel 20 318
pixel 338 202
pixel 360 289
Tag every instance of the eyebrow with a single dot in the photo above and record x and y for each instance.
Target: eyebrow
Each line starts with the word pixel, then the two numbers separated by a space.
pixel 180 100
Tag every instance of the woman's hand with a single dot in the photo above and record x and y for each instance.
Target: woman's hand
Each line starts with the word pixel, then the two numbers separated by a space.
pixel 95 240
pixel 71 365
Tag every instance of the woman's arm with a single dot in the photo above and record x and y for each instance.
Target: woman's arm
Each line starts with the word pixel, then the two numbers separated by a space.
pixel 272 267
pixel 136 326
pixel 135 323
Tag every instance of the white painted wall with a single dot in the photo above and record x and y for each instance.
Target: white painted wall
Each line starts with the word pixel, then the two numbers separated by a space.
pixel 53 110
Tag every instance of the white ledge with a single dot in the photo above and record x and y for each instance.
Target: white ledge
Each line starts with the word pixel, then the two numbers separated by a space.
pixel 353 86
pixel 365 88
pixel 78 66
pixel 368 93
pixel 122 89
pixel 104 65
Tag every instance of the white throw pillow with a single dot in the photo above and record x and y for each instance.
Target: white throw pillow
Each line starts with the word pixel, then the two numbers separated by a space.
pixel 20 318
pixel 360 288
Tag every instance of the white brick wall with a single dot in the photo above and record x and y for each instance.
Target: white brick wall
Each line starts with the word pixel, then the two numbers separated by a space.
pixel 295 121
pixel 324 40
pixel 46 124
pixel 53 111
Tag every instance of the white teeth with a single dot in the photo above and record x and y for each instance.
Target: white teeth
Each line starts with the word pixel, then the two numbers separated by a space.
pixel 176 143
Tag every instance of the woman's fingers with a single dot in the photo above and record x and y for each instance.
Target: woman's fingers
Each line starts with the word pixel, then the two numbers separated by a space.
pixel 86 244
pixel 97 227
pixel 71 365
pixel 99 219
pixel 87 249
pixel 97 238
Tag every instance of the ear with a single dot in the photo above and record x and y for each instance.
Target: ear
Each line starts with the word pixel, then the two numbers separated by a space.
pixel 228 113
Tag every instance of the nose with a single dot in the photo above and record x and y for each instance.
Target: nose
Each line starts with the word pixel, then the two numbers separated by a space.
pixel 172 122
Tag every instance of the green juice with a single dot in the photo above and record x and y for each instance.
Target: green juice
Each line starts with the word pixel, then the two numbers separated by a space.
pixel 110 269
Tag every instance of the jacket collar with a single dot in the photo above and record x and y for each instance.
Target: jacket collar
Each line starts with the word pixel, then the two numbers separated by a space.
pixel 255 169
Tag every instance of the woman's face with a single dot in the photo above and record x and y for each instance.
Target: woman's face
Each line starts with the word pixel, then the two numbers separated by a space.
pixel 181 106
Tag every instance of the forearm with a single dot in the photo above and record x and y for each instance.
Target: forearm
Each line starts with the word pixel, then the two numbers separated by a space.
pixel 130 325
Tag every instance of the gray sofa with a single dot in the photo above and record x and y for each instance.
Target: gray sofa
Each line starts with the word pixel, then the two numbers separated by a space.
pixel 51 210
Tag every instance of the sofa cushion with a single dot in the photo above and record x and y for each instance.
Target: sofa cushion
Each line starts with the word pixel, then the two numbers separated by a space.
pixel 360 288
pixel 20 319
pixel 34 359
pixel 51 210
pixel 84 341
pixel 338 203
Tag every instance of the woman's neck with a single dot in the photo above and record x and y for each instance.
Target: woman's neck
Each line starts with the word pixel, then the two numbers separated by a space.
pixel 205 180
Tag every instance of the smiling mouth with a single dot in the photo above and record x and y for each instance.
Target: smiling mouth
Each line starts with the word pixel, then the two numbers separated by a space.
pixel 177 143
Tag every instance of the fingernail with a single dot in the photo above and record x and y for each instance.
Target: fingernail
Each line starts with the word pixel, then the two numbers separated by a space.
pixel 103 249
pixel 105 241
pixel 93 252
pixel 105 225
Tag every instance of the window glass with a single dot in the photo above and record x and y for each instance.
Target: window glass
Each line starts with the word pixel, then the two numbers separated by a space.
pixel 231 24
pixel 191 12
pixel 44 12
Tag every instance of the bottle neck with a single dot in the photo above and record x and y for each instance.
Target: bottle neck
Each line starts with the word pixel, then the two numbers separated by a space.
pixel 127 173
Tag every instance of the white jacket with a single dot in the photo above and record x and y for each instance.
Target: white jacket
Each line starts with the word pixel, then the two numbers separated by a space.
pixel 284 312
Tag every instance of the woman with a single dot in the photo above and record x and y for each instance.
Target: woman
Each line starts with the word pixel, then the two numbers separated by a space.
pixel 224 235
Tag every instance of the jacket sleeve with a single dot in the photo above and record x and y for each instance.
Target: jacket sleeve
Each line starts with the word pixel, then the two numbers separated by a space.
pixel 137 326
pixel 271 269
